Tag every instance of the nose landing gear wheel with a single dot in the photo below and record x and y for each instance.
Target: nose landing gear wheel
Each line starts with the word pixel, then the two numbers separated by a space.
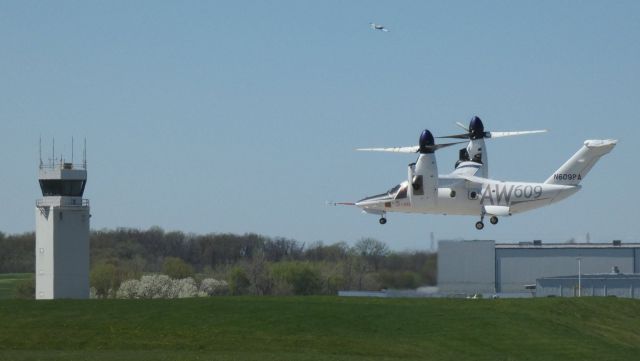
pixel 383 220
pixel 479 225
pixel 493 220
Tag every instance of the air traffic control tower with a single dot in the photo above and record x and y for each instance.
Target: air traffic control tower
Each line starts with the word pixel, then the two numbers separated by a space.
pixel 62 231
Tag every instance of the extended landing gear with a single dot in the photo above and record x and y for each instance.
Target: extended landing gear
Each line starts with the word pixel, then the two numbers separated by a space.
pixel 383 220
pixel 480 225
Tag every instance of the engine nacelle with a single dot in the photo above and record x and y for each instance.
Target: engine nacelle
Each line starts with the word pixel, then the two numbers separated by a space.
pixel 411 173
pixel 423 180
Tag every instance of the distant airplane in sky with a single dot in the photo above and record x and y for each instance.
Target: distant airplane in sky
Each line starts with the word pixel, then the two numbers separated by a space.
pixel 375 26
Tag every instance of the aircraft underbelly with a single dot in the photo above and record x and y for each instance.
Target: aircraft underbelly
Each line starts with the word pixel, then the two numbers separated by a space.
pixel 528 205
pixel 458 205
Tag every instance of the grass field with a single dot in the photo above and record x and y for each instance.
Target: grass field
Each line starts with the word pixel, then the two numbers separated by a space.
pixel 8 282
pixel 321 328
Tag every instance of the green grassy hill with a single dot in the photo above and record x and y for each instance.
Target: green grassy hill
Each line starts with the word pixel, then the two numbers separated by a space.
pixel 321 328
pixel 8 282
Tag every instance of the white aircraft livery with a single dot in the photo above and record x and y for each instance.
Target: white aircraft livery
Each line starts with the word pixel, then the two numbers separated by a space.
pixel 468 190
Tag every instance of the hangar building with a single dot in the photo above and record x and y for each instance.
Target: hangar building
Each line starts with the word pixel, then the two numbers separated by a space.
pixel 468 267
pixel 610 284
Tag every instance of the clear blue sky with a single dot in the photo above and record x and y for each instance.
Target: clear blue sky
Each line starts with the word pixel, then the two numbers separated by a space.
pixel 241 116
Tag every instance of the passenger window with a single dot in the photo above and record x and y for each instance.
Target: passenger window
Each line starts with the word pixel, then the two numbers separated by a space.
pixel 473 194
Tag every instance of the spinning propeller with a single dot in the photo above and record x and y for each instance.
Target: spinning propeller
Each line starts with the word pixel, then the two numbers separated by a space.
pixel 476 131
pixel 425 145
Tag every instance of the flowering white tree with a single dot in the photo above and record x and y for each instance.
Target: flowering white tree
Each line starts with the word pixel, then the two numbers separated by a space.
pixel 128 289
pixel 155 286
pixel 184 288
pixel 161 286
pixel 213 287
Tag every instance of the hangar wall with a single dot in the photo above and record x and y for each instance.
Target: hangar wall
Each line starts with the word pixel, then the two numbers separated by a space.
pixel 619 285
pixel 516 267
pixel 466 267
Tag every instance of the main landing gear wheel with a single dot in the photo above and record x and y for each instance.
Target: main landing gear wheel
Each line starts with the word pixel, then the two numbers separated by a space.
pixel 479 225
pixel 383 220
pixel 493 220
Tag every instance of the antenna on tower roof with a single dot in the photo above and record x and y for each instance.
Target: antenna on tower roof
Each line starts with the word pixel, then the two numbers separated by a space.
pixel 71 150
pixel 40 150
pixel 53 154
pixel 84 154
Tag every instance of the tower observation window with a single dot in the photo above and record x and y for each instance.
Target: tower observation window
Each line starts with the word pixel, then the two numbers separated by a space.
pixel 59 187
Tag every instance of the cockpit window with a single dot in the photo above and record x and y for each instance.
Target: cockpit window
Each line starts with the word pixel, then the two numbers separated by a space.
pixel 393 190
pixel 402 193
pixel 399 191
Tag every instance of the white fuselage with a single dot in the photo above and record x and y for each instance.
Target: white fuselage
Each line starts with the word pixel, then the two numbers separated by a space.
pixel 458 196
pixel 468 190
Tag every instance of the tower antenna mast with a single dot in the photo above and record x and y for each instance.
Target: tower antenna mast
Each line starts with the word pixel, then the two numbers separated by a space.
pixel 40 150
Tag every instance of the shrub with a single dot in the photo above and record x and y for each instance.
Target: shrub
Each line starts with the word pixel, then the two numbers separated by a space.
pixel 335 283
pixel 176 268
pixel 104 278
pixel 303 278
pixel 238 281
pixel 399 280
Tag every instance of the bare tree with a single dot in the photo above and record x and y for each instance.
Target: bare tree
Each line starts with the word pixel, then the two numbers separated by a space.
pixel 372 250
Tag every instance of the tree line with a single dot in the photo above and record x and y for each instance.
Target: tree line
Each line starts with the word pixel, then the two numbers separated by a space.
pixel 248 263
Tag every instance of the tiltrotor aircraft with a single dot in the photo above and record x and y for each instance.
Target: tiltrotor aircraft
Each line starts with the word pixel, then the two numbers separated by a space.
pixel 468 190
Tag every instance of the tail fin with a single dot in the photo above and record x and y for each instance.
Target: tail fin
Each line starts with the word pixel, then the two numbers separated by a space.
pixel 577 167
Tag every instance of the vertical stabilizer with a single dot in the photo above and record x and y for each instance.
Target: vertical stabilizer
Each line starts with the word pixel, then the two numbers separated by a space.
pixel 577 167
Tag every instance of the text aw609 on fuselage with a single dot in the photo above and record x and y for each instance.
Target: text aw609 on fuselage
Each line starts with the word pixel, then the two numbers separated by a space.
pixel 468 190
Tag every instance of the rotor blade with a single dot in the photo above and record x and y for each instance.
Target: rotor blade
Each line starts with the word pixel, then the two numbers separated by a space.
pixel 444 145
pixel 462 126
pixel 412 149
pixel 457 136
pixel 509 134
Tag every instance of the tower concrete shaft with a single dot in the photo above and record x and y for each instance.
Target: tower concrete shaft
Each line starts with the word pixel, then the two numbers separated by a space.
pixel 62 232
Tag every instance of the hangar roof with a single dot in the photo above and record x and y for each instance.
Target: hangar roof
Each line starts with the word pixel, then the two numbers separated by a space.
pixel 565 245
pixel 597 276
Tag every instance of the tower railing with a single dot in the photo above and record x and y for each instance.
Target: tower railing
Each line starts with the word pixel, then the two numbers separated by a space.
pixel 63 165
pixel 64 201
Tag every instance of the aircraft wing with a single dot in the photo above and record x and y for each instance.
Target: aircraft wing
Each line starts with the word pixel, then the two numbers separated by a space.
pixel 475 180
pixel 467 169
